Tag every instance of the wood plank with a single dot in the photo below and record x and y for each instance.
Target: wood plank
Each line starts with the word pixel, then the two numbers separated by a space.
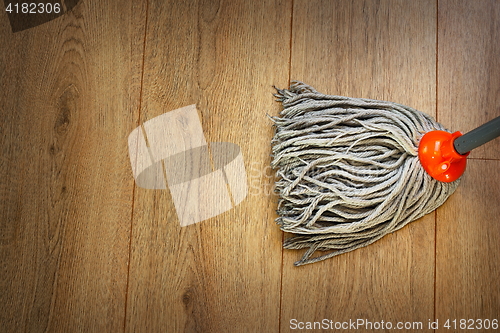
pixel 69 92
pixel 382 50
pixel 467 235
pixel 468 249
pixel 221 274
pixel 469 67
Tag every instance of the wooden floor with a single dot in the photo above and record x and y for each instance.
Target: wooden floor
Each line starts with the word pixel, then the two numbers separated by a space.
pixel 82 249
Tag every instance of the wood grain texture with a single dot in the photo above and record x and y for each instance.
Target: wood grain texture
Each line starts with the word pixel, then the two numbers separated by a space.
pixel 468 232
pixel 469 67
pixel 373 49
pixel 468 248
pixel 83 249
pixel 69 95
pixel 221 274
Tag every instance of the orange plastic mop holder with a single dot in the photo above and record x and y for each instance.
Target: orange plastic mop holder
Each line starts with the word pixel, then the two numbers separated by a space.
pixel 439 157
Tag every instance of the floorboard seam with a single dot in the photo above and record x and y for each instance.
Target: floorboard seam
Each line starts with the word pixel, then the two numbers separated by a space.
pixel 283 234
pixel 437 109
pixel 133 189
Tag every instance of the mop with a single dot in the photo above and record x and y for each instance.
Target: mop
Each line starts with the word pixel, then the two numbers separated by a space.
pixel 351 170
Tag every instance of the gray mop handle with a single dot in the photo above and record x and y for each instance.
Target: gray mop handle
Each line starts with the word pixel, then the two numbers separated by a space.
pixel 477 137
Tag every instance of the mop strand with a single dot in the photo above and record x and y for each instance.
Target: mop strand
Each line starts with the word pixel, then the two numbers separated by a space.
pixel 348 170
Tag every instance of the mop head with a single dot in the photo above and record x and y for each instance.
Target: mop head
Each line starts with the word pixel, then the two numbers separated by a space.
pixel 348 171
